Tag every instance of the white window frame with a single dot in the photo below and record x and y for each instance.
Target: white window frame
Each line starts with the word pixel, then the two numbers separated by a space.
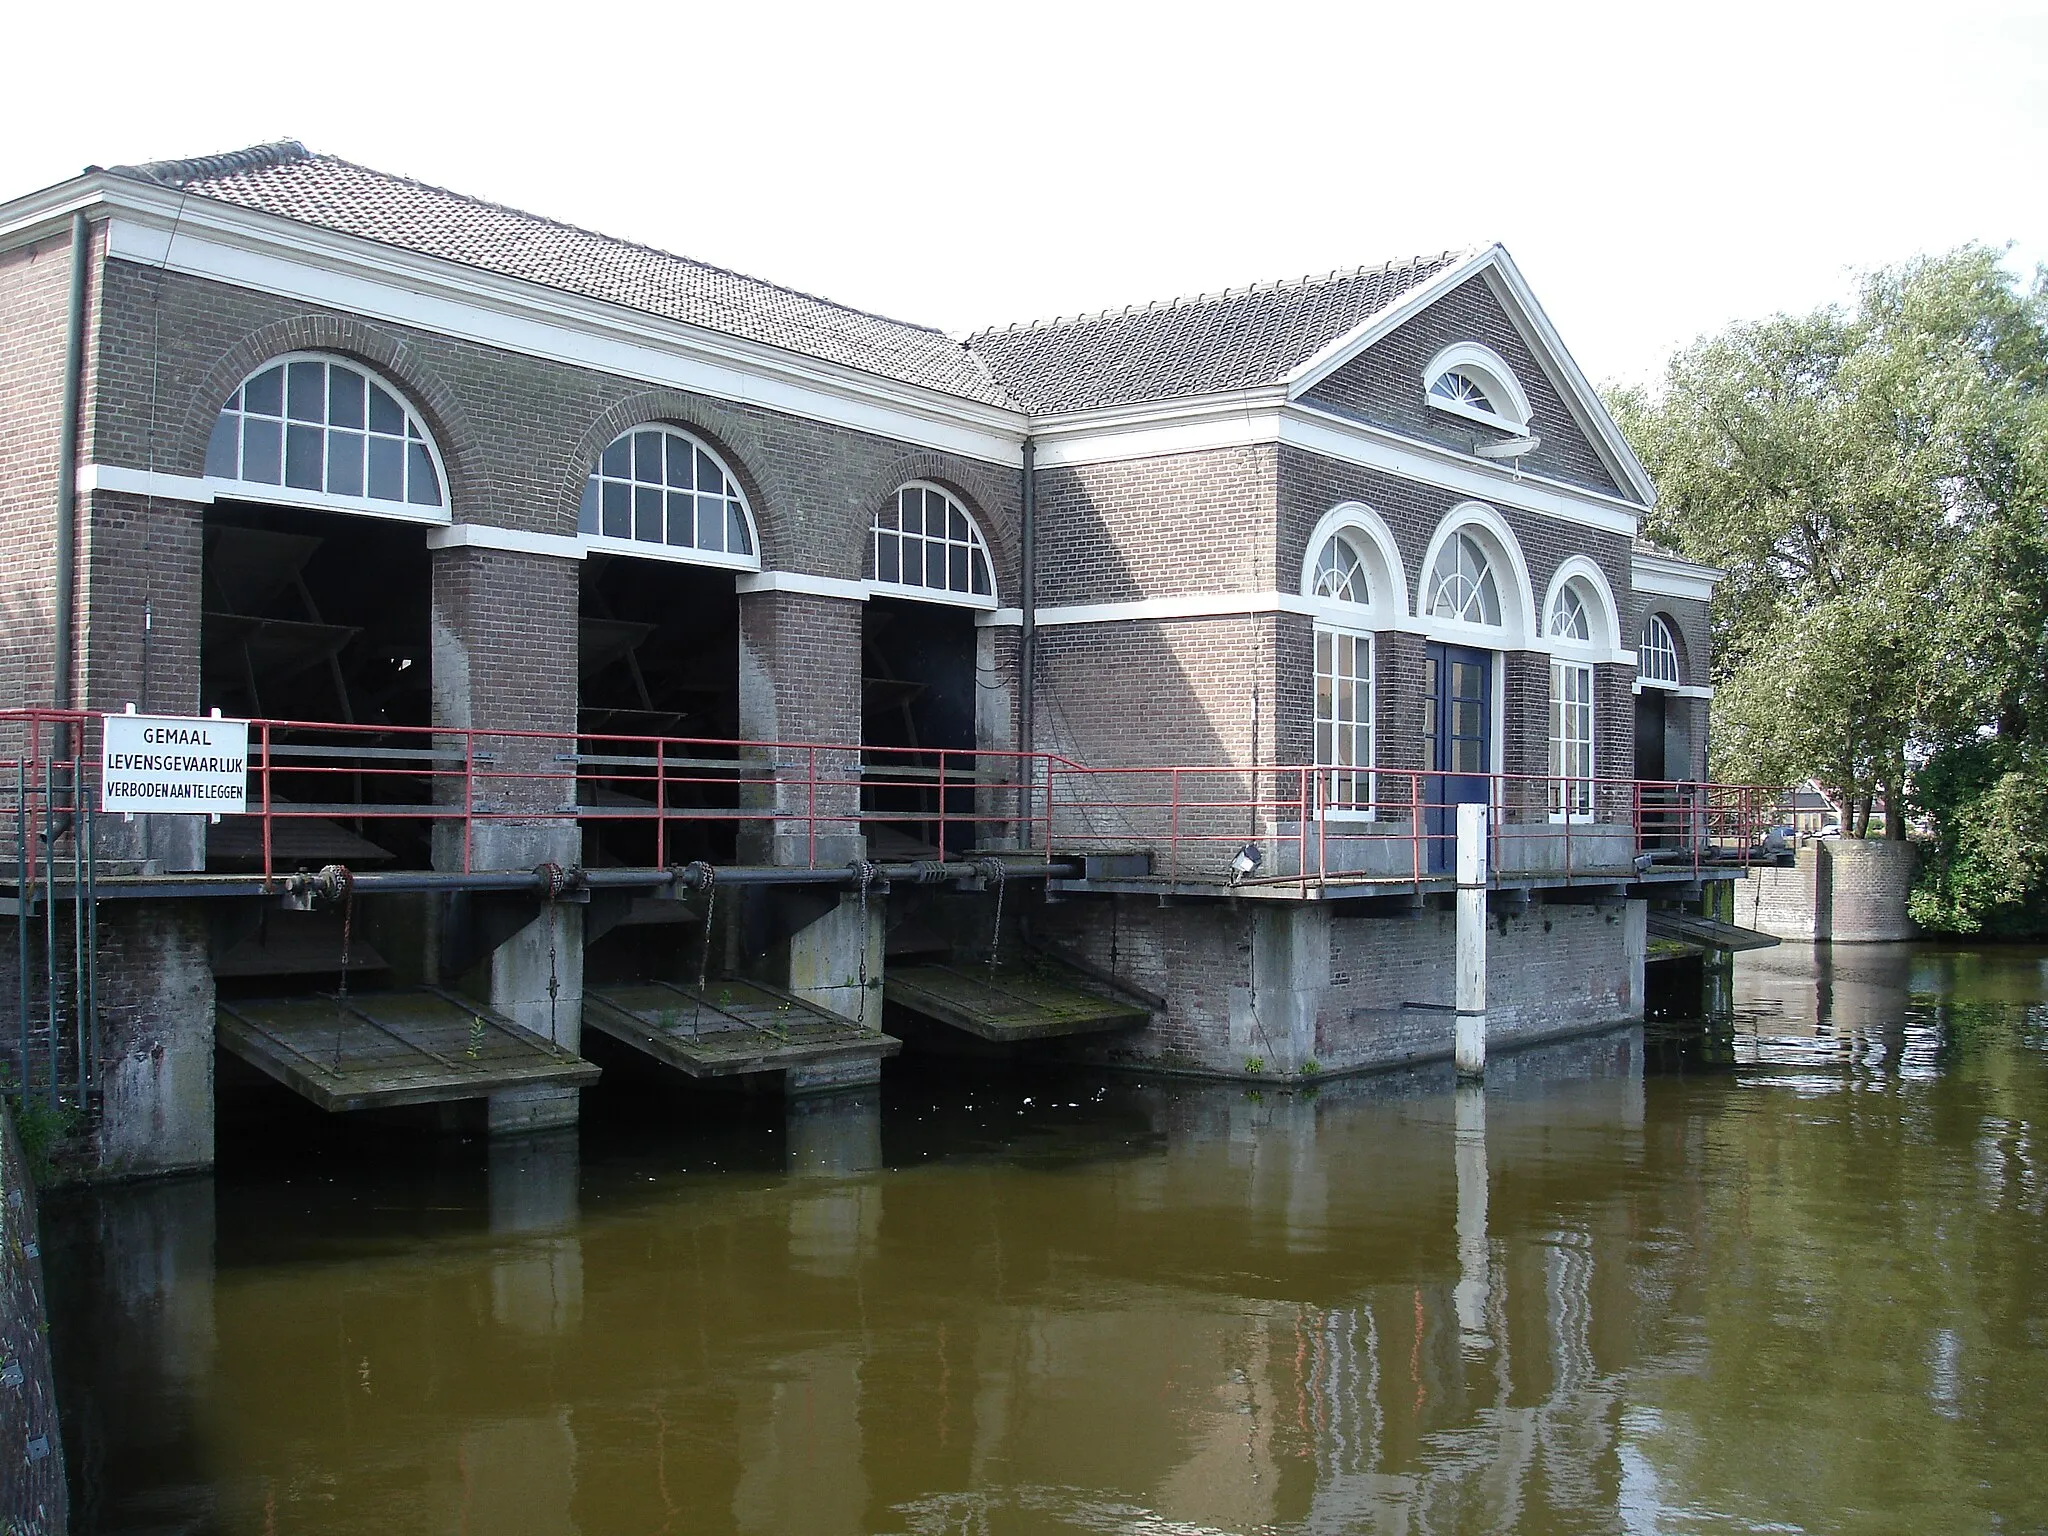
pixel 1361 770
pixel 1494 379
pixel 975 545
pixel 733 495
pixel 235 488
pixel 1650 653
pixel 1435 581
pixel 1574 737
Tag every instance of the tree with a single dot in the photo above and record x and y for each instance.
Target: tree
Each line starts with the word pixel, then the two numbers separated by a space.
pixel 1874 480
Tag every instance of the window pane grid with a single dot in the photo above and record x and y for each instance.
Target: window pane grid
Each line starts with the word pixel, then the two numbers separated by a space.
pixel 1657 657
pixel 924 538
pixel 1462 585
pixel 1569 619
pixel 302 425
pixel 656 485
pixel 1343 720
pixel 1571 740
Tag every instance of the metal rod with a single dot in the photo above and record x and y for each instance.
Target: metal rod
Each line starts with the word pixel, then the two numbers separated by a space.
pixel 50 949
pixel 78 934
pixel 92 940
pixel 23 903
pixel 67 473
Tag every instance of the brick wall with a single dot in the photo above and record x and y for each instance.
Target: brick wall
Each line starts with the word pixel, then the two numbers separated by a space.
pixel 1384 384
pixel 34 283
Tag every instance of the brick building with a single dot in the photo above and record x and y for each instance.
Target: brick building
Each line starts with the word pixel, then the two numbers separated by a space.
pixel 352 448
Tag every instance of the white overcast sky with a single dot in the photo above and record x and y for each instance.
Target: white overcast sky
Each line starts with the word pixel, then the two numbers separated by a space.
pixel 1657 170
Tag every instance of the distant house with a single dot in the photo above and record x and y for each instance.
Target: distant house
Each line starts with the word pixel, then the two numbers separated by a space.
pixel 1807 809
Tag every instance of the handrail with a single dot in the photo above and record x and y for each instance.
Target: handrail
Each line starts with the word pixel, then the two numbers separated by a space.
pixel 1193 818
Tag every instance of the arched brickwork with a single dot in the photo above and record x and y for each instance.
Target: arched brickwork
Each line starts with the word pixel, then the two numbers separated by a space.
pixel 980 491
pixel 727 433
pixel 390 355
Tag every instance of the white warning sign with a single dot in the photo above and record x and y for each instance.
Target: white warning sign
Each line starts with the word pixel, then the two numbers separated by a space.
pixel 174 764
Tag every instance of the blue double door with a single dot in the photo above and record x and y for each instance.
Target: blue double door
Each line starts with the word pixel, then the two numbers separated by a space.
pixel 1457 743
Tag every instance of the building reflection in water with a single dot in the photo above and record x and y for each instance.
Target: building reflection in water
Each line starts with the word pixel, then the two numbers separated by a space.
pixel 1393 1304
pixel 537 1268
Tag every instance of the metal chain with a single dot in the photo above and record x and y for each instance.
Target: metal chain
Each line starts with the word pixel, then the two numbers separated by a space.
pixel 337 875
pixel 704 954
pixel 866 871
pixel 994 870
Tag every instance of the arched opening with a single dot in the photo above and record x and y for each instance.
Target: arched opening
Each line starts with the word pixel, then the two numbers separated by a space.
pixel 665 524
pixel 315 607
pixel 929 573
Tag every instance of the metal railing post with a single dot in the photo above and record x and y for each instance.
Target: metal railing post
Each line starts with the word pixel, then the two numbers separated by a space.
pixel 23 904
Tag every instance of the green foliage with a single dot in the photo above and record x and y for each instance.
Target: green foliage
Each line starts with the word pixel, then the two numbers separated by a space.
pixel 1875 482
pixel 39 1128
pixel 1985 873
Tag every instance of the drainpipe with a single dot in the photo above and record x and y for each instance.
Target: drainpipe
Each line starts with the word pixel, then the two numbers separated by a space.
pixel 67 477
pixel 1027 648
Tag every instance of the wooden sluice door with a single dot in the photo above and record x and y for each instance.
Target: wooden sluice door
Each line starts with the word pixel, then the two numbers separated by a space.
pixel 371 1050
pixel 1035 998
pixel 728 1027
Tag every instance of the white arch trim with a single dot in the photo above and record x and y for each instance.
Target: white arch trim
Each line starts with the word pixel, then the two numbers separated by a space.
pixel 1606 644
pixel 1511 402
pixel 234 487
pixel 1381 557
pixel 1520 619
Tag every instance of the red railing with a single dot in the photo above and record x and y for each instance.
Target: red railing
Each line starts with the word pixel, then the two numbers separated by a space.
pixel 658 801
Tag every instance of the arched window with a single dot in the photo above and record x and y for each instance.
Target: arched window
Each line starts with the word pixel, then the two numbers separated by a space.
pixel 1569 619
pixel 1461 584
pixel 1472 381
pixel 1340 574
pixel 926 542
pixel 658 486
pixel 322 432
pixel 1657 656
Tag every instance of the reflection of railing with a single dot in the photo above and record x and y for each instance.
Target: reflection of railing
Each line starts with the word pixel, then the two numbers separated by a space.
pixel 654 801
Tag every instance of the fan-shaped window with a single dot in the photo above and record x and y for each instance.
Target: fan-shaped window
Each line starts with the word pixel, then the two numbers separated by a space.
pixel 925 539
pixel 1461 584
pixel 1472 381
pixel 1569 619
pixel 1657 656
pixel 320 430
pixel 1340 574
pixel 659 486
pixel 1462 389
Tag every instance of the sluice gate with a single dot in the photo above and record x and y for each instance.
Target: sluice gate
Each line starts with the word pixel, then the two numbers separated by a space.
pixel 1034 998
pixel 377 1050
pixel 728 1027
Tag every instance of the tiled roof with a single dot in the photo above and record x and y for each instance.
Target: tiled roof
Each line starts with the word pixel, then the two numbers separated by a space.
pixel 1214 342
pixel 1236 339
pixel 290 181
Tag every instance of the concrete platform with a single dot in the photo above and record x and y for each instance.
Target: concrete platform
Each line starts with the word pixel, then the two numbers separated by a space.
pixel 1036 998
pixel 732 1027
pixel 378 1049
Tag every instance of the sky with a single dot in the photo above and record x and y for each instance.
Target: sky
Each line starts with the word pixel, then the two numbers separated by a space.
pixel 1658 171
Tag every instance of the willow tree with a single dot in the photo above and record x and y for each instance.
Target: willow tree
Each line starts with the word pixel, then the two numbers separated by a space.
pixel 1871 478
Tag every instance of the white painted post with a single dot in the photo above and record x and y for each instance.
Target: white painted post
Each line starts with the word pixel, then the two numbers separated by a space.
pixel 1475 1255
pixel 1471 1001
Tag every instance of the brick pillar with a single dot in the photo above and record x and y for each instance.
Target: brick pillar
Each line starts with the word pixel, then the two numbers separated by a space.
pixel 140 556
pixel 800 670
pixel 504 658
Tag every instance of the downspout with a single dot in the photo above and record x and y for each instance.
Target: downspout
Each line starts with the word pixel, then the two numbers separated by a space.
pixel 67 478
pixel 1027 644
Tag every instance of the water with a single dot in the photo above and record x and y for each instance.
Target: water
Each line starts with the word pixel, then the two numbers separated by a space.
pixel 1784 1276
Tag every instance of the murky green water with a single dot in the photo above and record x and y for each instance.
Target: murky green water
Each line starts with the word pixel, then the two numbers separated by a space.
pixel 1788 1278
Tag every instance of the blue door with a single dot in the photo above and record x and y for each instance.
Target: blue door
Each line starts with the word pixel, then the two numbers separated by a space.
pixel 1457 742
